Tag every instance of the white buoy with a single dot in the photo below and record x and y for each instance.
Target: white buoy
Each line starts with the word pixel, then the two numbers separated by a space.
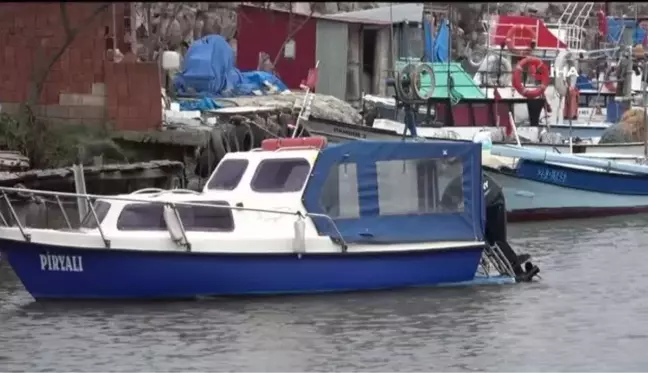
pixel 171 60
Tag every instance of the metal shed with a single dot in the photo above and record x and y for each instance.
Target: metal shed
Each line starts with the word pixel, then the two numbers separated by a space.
pixel 406 22
pixel 308 39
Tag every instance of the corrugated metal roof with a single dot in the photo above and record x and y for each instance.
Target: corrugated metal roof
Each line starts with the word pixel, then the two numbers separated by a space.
pixel 397 13
pixel 329 17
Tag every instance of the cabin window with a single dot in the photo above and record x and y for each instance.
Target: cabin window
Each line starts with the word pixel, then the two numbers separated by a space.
pixel 141 217
pixel 420 186
pixel 207 219
pixel 339 198
pixel 149 217
pixel 101 209
pixel 280 175
pixel 228 174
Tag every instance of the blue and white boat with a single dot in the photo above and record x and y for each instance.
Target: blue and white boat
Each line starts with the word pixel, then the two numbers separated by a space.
pixel 542 185
pixel 295 216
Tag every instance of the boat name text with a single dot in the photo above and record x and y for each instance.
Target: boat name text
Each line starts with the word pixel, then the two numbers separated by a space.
pixel 353 133
pixel 61 263
pixel 553 176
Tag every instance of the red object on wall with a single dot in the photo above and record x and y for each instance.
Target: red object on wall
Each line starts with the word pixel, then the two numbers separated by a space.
pixel 264 30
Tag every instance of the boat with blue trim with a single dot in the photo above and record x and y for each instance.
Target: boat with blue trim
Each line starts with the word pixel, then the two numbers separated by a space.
pixel 295 216
pixel 540 185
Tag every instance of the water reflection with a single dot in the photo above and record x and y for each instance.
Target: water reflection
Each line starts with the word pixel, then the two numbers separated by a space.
pixel 587 314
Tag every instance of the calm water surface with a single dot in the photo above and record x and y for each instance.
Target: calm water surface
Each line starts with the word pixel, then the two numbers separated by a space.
pixel 589 313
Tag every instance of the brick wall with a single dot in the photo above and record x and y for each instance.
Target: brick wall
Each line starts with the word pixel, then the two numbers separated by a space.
pixel 133 96
pixel 77 89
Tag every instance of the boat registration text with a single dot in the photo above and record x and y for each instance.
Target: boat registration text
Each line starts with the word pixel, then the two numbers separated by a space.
pixel 61 263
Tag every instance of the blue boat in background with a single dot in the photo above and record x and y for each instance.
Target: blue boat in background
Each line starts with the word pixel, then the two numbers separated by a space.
pixel 296 216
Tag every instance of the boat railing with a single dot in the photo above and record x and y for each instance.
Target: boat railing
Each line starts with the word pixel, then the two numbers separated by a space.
pixel 173 205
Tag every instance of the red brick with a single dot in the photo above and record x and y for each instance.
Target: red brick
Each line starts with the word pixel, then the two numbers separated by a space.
pixel 112 111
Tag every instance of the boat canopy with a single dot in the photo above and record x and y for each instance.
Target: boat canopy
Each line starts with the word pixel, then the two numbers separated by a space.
pixel 398 192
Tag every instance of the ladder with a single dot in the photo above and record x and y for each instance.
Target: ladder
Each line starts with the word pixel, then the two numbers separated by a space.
pixel 572 23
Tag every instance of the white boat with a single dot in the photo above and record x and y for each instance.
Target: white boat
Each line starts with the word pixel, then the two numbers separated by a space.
pixel 295 216
pixel 541 185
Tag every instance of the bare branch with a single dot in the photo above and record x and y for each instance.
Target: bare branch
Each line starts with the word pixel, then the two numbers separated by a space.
pixel 65 20
pixel 41 76
pixel 292 33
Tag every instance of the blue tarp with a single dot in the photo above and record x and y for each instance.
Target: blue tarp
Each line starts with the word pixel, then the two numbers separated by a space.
pixel 209 70
pixel 615 26
pixel 420 226
pixel 436 50
pixel 583 82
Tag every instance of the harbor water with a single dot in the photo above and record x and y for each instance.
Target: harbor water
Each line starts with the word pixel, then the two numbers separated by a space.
pixel 587 313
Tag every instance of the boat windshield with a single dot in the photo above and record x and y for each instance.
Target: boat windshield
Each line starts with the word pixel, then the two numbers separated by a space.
pixel 89 221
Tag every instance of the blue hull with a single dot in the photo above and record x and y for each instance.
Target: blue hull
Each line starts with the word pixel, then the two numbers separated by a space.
pixel 123 274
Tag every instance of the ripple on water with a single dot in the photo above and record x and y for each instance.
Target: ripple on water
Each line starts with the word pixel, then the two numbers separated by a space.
pixel 587 314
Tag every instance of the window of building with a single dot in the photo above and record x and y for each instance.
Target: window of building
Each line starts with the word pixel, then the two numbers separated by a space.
pixel 228 174
pixel 280 175
pixel 420 186
pixel 339 197
pixel 411 40
pixel 149 217
pixel 101 209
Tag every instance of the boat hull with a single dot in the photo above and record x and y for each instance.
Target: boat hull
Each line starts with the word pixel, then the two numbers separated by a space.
pixel 129 274
pixel 531 200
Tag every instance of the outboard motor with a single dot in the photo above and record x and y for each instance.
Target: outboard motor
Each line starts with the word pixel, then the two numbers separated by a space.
pixel 496 237
pixel 496 231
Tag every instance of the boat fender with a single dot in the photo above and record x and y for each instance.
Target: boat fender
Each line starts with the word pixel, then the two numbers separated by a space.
pixel 494 65
pixel 570 110
pixel 564 60
pixel 538 70
pixel 609 85
pixel 602 23
pixel 523 32
pixel 299 240
pixel 174 226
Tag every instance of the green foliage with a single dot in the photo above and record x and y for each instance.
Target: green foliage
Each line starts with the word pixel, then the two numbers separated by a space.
pixel 50 145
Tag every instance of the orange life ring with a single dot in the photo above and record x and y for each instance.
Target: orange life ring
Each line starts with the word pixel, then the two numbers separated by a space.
pixel 520 31
pixel 570 111
pixel 540 72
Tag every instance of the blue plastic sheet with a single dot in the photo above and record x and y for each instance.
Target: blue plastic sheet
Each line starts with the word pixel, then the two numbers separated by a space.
pixel 436 50
pixel 209 70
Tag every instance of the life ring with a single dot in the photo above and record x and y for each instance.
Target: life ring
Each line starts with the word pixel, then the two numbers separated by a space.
pixel 489 68
pixel 513 33
pixel 538 70
pixel 570 111
pixel 564 59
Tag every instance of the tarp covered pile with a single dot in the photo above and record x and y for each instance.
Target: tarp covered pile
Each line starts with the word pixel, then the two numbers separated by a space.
pixel 209 71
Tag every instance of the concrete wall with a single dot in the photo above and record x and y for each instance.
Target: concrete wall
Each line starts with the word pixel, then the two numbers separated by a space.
pixel 75 91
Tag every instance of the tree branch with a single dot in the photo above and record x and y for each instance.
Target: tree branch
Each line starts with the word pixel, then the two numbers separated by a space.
pixel 65 20
pixel 39 77
pixel 292 34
